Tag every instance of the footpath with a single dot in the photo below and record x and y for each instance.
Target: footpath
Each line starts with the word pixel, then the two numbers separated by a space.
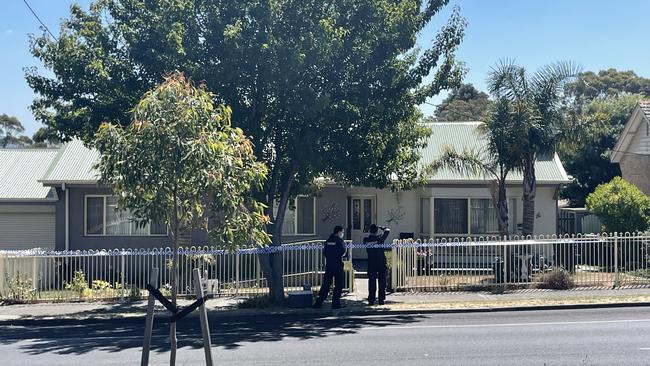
pixel 396 303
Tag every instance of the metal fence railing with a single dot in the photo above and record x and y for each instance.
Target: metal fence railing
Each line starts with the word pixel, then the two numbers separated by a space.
pixel 612 261
pixel 35 275
pixel 615 260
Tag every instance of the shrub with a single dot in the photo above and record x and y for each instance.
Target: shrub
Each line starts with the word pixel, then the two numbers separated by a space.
pixel 621 206
pixel 557 279
pixel 20 288
pixel 79 285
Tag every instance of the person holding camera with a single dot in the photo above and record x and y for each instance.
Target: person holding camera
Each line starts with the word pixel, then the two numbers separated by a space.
pixel 376 264
pixel 333 251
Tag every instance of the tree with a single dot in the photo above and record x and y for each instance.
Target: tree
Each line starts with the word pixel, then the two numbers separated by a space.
pixel 322 88
pixel 501 130
pixel 45 136
pixel 585 146
pixel 179 162
pixel 538 97
pixel 606 83
pixel 621 206
pixel 11 132
pixel 463 104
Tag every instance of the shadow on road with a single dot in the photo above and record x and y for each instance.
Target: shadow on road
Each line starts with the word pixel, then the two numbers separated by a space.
pixel 70 336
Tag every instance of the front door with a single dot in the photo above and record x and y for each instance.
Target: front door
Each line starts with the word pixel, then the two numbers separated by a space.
pixel 362 215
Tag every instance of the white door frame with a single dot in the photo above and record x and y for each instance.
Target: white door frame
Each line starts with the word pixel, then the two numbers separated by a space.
pixel 358 234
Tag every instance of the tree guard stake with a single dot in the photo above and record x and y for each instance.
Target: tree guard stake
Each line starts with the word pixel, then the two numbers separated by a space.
pixel 177 314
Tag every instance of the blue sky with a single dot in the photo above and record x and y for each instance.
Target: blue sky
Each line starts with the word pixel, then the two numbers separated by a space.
pixel 596 34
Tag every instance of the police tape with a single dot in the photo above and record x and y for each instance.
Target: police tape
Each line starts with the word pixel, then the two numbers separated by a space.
pixel 264 250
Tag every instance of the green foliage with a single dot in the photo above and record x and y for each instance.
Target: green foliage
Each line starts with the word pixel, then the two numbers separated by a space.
pixel 589 135
pixel 557 279
pixel 621 206
pixel 20 287
pixel 502 130
pixel 11 132
pixel 322 90
pixel 79 285
pixel 536 102
pixel 463 104
pixel 180 161
pixel 607 83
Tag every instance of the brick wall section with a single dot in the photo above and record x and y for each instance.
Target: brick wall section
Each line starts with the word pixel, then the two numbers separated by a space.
pixel 636 170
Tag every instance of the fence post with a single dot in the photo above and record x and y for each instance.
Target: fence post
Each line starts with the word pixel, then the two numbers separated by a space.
pixel 616 279
pixel 237 275
pixel 506 254
pixel 393 267
pixel 122 274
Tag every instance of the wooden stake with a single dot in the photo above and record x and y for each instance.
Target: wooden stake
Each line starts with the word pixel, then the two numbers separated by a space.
pixel 203 316
pixel 148 328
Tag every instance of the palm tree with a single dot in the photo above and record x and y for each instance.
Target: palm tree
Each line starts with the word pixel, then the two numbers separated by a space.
pixel 538 99
pixel 496 161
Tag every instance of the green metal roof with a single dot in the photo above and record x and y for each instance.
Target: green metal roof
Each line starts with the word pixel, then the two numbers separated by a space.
pixel 461 135
pixel 74 162
pixel 20 170
pixel 73 165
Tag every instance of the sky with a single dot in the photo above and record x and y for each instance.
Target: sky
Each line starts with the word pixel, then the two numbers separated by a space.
pixel 596 34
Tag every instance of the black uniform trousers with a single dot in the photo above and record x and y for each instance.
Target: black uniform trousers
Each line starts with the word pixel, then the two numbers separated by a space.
pixel 377 273
pixel 333 273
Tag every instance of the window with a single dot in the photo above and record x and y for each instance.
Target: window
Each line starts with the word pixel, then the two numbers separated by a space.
pixel 103 218
pixel 425 216
pixel 300 218
pixel 450 215
pixel 484 217
pixel 512 216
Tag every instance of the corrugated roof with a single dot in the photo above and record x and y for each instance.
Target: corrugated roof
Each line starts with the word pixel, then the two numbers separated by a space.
pixel 462 135
pixel 20 170
pixel 73 164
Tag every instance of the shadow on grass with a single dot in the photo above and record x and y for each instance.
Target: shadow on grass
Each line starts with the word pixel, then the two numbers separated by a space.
pixel 73 336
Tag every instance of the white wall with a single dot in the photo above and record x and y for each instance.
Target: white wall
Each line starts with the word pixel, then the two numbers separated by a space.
pixel 405 205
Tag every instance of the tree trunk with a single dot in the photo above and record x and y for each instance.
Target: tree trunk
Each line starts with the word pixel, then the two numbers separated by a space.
pixel 174 280
pixel 530 186
pixel 272 263
pixel 500 201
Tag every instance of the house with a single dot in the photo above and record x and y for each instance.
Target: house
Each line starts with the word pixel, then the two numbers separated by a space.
pixel 632 150
pixel 27 208
pixel 449 205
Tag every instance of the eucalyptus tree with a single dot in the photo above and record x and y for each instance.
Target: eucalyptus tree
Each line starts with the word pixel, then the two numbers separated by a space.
pixel 538 97
pixel 323 88
pixel 179 162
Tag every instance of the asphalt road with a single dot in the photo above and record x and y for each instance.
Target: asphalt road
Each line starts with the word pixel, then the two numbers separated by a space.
pixel 618 336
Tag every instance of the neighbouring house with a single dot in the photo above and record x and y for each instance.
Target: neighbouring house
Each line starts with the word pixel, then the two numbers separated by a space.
pixel 632 150
pixel 27 208
pixel 449 205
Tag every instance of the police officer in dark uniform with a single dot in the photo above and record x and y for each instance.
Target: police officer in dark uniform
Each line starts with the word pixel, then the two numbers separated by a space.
pixel 333 251
pixel 376 264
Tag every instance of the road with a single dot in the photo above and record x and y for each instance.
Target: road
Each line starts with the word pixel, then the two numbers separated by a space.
pixel 619 336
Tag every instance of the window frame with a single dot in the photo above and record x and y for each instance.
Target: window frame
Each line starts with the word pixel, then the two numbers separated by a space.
pixel 104 206
pixel 295 221
pixel 512 219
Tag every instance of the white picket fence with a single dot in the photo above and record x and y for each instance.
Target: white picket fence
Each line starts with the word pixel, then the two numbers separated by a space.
pixel 37 275
pixel 616 260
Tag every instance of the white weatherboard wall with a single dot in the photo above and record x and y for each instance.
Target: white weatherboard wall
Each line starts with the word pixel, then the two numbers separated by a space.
pixel 405 205
pixel 27 227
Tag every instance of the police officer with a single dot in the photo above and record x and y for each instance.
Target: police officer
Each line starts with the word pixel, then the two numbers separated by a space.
pixel 333 251
pixel 376 264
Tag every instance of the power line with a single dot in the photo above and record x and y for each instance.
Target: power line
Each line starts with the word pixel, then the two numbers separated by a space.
pixel 40 21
